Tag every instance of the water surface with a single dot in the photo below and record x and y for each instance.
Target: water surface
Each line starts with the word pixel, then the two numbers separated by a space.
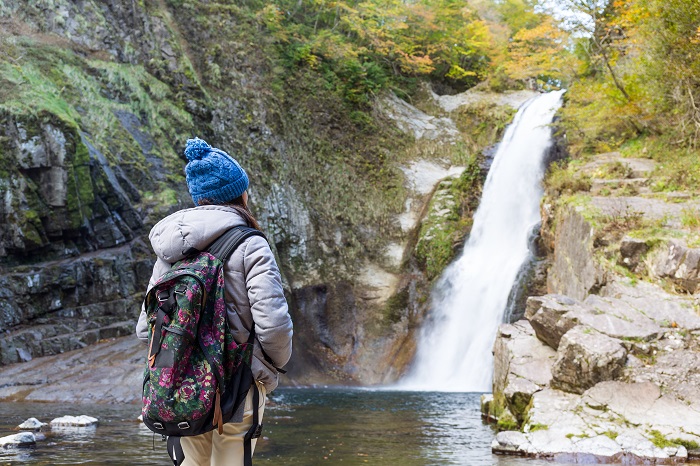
pixel 302 427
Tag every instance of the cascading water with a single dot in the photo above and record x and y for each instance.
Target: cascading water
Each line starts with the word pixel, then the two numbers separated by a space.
pixel 470 298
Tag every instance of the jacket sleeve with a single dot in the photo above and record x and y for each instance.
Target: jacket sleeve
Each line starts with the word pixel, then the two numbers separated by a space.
pixel 159 268
pixel 273 325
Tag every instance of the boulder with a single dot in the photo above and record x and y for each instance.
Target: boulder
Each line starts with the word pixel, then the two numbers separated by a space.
pixel 74 421
pixel 518 392
pixel 585 358
pixel 545 315
pixel 509 442
pixel 32 424
pixel 679 263
pixel 21 440
pixel 631 252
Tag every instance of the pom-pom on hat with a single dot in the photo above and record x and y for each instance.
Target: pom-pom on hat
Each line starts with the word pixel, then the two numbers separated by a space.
pixel 212 174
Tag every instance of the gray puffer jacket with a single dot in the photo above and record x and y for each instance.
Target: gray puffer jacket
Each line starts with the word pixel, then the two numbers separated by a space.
pixel 253 285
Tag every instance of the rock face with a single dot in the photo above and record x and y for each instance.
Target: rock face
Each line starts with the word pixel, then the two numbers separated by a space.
pixel 574 271
pixel 621 382
pixel 65 305
pixel 98 101
pixel 624 382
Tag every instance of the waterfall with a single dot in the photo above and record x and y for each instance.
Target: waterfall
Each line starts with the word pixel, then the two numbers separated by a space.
pixel 470 298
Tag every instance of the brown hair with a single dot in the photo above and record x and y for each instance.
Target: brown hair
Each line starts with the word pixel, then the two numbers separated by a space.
pixel 240 207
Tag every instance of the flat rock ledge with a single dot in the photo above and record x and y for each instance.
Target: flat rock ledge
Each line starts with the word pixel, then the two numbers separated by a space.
pixel 614 378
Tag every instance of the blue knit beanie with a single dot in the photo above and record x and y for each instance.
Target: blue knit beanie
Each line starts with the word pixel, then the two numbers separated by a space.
pixel 212 174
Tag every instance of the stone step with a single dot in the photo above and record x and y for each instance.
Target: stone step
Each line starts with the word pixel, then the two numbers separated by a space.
pixel 636 167
pixel 599 186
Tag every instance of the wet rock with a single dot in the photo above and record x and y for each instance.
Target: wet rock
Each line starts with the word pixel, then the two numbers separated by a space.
pixel 509 442
pixel 486 405
pixel 586 357
pixel 518 393
pixel 32 424
pixel 21 440
pixel 522 366
pixel 74 421
pixel 600 446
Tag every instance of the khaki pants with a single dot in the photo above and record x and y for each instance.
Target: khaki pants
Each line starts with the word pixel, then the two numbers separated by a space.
pixel 212 449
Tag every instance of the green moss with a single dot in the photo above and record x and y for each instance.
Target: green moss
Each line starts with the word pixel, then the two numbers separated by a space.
pixel 536 427
pixel 658 439
pixel 483 122
pixel 507 422
pixel 449 219
pixel 79 194
pixel 688 444
pixel 395 306
pixel 611 434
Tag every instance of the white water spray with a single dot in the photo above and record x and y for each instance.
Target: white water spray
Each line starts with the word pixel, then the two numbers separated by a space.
pixel 470 298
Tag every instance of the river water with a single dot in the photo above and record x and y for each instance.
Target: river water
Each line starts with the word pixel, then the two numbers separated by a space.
pixel 302 427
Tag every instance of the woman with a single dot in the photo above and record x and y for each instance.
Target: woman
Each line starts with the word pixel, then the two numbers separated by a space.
pixel 254 296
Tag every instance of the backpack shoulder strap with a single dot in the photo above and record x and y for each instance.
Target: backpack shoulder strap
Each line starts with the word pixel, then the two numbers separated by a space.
pixel 224 246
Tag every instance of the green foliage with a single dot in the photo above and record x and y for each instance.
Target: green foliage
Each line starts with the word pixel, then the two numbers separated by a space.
pixel 690 218
pixel 483 123
pixel 362 47
pixel 638 84
pixel 563 180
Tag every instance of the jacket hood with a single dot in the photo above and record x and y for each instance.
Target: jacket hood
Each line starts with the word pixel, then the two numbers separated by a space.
pixel 197 228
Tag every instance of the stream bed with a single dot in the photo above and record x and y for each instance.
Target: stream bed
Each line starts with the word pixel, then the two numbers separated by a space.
pixel 302 427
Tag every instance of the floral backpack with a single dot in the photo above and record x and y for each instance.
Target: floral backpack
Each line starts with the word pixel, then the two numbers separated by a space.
pixel 197 376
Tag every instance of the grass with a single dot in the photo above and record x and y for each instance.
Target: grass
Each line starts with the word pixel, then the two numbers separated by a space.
pixel 563 179
pixel 690 218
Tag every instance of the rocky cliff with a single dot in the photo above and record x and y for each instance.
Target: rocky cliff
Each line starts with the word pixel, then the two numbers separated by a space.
pixel 97 100
pixel 605 368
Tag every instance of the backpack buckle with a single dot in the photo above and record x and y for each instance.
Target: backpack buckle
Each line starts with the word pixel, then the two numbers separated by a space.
pixel 183 425
pixel 163 296
pixel 158 425
pixel 258 431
